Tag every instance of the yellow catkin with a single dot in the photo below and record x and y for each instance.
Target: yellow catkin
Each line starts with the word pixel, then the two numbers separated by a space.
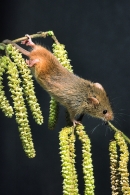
pixel 53 113
pixel 115 177
pixel 27 83
pixel 87 160
pixel 20 108
pixel 61 54
pixel 4 103
pixel 123 163
pixel 67 152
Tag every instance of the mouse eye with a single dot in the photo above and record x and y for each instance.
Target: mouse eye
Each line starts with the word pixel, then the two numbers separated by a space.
pixel 104 111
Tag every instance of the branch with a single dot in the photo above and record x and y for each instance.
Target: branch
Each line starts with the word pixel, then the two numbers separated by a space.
pixel 37 35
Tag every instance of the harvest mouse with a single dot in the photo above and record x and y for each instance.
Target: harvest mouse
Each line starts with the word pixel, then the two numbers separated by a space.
pixel 77 95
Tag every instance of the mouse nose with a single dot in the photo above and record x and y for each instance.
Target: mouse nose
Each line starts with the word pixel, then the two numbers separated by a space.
pixel 109 116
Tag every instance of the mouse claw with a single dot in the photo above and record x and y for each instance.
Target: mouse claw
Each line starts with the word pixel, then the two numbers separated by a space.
pixel 76 123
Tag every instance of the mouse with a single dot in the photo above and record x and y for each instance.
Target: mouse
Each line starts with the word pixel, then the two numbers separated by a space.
pixel 78 95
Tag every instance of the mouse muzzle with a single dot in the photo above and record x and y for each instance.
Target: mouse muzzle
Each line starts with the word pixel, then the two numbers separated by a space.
pixel 108 117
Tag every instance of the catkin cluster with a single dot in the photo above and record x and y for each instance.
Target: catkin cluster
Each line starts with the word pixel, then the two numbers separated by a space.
pixel 123 163
pixel 119 156
pixel 67 152
pixel 27 83
pixel 20 86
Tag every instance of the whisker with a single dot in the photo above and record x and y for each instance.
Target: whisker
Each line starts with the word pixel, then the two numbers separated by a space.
pixel 123 114
pixel 106 130
pixel 123 119
pixel 94 128
pixel 110 130
pixel 103 123
pixel 117 122
pixel 115 117
pixel 115 98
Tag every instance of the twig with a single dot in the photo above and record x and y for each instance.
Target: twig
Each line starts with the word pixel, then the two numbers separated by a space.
pixel 39 34
pixel 117 130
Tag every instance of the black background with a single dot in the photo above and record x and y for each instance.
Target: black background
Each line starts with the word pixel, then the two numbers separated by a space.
pixel 97 38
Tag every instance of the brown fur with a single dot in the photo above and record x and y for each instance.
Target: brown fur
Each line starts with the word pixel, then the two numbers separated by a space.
pixel 70 90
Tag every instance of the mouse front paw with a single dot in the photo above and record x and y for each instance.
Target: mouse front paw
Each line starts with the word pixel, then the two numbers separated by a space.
pixel 76 122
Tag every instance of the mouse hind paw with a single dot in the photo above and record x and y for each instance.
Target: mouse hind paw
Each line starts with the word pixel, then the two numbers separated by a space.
pixel 28 41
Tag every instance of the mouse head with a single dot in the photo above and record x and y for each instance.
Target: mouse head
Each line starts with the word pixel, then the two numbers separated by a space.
pixel 99 103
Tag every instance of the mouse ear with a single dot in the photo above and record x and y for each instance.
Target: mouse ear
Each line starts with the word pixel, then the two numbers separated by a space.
pixel 93 100
pixel 98 85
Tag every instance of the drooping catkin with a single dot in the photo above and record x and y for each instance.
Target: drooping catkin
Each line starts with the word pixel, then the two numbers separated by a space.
pixel 4 103
pixel 115 176
pixel 87 160
pixel 123 163
pixel 62 55
pixel 26 82
pixel 67 153
pixel 20 108
pixel 53 113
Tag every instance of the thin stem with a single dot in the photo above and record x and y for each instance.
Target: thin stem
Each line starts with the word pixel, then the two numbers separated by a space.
pixel 55 39
pixel 37 35
pixel 117 130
